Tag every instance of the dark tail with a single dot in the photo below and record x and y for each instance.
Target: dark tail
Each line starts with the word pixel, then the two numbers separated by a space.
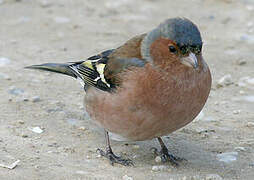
pixel 54 67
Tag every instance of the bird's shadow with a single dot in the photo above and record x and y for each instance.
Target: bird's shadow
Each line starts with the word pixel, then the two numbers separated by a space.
pixel 194 154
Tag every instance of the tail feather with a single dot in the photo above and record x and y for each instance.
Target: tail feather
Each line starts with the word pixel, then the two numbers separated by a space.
pixel 54 67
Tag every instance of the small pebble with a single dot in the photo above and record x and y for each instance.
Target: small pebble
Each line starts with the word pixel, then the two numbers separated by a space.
pixel 196 177
pixel 82 128
pixel 184 178
pixel 250 24
pixel 36 99
pixel 227 157
pixel 4 61
pixel 241 62
pixel 24 135
pixel 21 122
pixel 209 118
pixel 37 130
pixel 213 177
pixel 135 156
pixel 248 98
pixel 72 121
pixel 236 111
pixel 250 7
pixel 247 38
pixel 158 159
pixel 136 146
pixel 126 177
pixel 201 130
pixel 224 102
pixel 242 81
pixel 61 20
pixel 250 81
pixel 4 76
pixel 25 99
pixel 159 168
pixel 251 164
pixel 250 124
pixel 241 92
pixel 15 91
pixel 45 3
pixel 98 156
pixel 239 148
pixel 81 172
pixel 24 19
pixel 225 81
pixel 13 41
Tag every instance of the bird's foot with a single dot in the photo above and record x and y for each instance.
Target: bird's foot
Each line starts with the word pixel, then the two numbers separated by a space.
pixel 166 156
pixel 115 159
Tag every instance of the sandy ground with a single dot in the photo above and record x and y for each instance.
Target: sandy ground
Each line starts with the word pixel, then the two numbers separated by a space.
pixel 217 145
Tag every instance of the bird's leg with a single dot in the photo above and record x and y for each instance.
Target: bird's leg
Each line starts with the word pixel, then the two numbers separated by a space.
pixel 165 155
pixel 108 153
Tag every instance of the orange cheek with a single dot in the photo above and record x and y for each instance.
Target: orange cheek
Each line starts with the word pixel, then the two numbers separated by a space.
pixel 161 54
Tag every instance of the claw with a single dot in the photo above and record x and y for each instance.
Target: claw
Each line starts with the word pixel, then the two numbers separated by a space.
pixel 169 157
pixel 115 159
pixel 166 156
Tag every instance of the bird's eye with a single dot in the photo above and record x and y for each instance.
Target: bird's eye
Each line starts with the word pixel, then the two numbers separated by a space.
pixel 172 49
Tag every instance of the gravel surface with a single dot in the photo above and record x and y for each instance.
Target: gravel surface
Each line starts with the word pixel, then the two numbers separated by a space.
pixel 43 124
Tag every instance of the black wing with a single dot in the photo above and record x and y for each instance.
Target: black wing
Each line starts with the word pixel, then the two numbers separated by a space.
pixel 91 71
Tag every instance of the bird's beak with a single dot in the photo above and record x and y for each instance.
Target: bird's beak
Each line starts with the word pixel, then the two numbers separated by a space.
pixel 190 60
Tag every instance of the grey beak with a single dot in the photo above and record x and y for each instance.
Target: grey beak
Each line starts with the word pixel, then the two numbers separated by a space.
pixel 190 60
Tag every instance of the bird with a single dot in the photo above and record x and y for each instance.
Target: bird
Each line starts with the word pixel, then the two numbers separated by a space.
pixel 152 85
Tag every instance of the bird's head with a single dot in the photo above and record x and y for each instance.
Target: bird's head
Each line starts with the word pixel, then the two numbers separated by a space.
pixel 176 40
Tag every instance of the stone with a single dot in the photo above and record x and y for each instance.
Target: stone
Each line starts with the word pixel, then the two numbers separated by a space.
pixel 159 168
pixel 250 124
pixel 213 177
pixel 247 38
pixel 242 92
pixel 36 99
pixel 184 178
pixel 126 177
pixel 227 157
pixel 37 130
pixel 241 62
pixel 136 146
pixel 61 20
pixel 45 3
pixel 4 61
pixel 81 172
pixel 250 7
pixel 250 81
pixel 240 148
pixel 157 159
pixel 236 111
pixel 21 122
pixel 4 76
pixel 225 81
pixel 24 135
pixel 248 98
pixel 16 91
pixel 82 128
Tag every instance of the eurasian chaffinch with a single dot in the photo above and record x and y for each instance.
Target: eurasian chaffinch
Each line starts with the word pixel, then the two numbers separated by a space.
pixel 151 86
